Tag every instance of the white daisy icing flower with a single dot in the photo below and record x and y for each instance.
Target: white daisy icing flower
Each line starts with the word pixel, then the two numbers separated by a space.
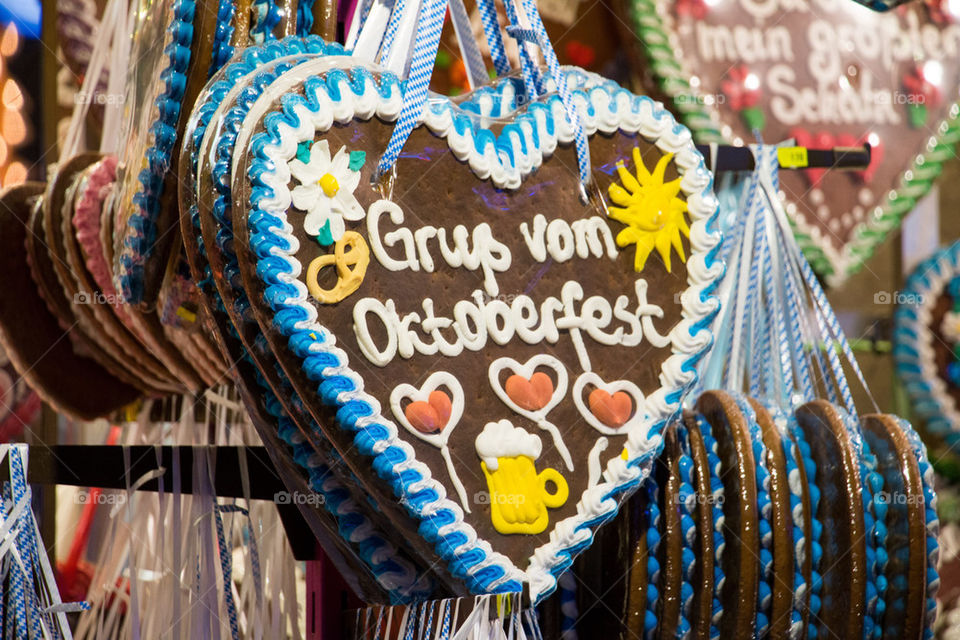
pixel 326 189
pixel 950 327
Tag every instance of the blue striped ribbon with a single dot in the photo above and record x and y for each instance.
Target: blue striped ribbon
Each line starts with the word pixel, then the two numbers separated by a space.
pixel 491 28
pixel 421 68
pixel 553 65
pixel 393 25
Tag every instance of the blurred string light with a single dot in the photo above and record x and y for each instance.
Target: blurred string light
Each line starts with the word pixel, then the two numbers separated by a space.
pixel 933 72
pixel 13 124
pixel 24 14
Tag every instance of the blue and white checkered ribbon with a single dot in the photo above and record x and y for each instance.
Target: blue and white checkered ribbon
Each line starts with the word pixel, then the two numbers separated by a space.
pixel 553 66
pixel 469 50
pixel 31 605
pixel 393 26
pixel 491 28
pixel 421 68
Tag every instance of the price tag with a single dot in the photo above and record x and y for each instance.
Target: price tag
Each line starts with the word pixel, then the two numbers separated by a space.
pixel 792 157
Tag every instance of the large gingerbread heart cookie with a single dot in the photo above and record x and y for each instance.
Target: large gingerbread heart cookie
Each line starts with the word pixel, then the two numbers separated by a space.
pixel 828 73
pixel 478 341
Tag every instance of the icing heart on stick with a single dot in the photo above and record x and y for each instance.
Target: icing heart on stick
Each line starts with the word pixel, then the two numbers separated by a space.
pixel 432 415
pixel 532 394
pixel 611 407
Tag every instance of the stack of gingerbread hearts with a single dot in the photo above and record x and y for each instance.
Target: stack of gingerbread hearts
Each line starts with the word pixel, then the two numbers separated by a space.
pixel 774 510
pixel 479 315
pixel 74 329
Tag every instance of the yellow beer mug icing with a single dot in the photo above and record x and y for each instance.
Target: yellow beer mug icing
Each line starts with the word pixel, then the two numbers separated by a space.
pixel 518 494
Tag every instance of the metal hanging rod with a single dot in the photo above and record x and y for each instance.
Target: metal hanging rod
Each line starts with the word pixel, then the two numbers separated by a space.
pixel 730 158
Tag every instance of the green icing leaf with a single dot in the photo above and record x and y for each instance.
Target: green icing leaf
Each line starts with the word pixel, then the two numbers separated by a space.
pixel 303 151
pixel 325 238
pixel 357 158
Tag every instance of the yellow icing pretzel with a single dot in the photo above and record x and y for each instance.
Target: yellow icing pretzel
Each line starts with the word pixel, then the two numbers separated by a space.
pixel 350 257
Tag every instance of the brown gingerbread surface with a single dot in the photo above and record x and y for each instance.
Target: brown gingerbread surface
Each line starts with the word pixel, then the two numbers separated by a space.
pixel 731 429
pixel 781 523
pixel 703 583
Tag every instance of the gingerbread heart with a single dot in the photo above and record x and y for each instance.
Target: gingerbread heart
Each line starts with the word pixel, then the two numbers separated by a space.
pixel 612 410
pixel 927 337
pixel 829 67
pixel 496 309
pixel 361 521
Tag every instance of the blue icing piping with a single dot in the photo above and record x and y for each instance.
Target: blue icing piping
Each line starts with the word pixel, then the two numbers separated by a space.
pixel 337 499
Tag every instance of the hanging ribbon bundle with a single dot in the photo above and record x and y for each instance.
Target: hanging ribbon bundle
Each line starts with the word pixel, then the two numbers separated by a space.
pixel 776 510
pixel 190 565
pixel 28 591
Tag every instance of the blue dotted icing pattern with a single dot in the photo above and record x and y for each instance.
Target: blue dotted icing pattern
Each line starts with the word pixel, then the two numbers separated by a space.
pixel 816 528
pixel 793 458
pixel 654 536
pixel 141 228
pixel 875 539
pixel 353 525
pixel 304 17
pixel 688 527
pixel 266 16
pixel 764 513
pixel 716 500
pixel 222 49
pixel 908 336
pixel 932 522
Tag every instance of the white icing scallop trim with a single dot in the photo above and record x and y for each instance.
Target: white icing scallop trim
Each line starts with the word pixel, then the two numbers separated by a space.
pixel 612 112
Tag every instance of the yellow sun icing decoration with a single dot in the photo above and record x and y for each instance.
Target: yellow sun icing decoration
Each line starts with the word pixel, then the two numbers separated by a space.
pixel 651 209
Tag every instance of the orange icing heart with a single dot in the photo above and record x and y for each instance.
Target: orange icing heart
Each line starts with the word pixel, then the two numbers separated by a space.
pixel 442 405
pixel 612 410
pixel 532 394
pixel 431 416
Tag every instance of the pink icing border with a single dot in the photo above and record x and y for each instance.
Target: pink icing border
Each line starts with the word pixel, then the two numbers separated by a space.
pixel 86 221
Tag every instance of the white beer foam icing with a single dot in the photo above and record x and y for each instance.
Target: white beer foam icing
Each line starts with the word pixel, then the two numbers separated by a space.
pixel 503 440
